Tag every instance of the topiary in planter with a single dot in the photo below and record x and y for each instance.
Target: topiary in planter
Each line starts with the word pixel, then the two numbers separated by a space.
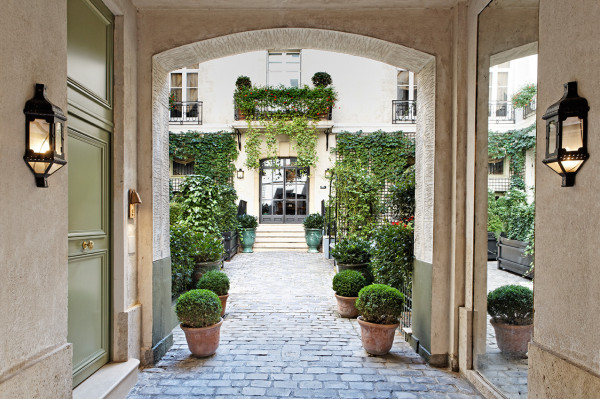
pixel 247 221
pixel 321 79
pixel 511 304
pixel 314 221
pixel 380 304
pixel 198 308
pixel 352 250
pixel 348 283
pixel 243 81
pixel 214 281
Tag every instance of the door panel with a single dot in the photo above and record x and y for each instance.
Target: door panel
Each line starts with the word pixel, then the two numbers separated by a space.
pixel 283 191
pixel 89 261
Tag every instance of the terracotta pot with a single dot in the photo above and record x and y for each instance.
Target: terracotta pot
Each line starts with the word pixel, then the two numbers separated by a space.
pixel 203 341
pixel 202 267
pixel 223 299
pixel 377 339
pixel 513 340
pixel 346 306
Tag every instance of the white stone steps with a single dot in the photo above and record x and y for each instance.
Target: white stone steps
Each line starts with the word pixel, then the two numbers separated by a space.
pixel 279 239
pixel 280 245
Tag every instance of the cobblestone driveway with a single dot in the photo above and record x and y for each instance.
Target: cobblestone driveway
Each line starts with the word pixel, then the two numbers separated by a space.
pixel 283 339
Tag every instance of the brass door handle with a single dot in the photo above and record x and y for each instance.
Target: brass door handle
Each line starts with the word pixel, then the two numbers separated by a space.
pixel 87 245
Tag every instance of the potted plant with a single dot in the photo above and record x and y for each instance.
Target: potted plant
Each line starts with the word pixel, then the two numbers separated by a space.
pixel 511 309
pixel 321 79
pixel 217 282
pixel 248 224
pixel 516 235
pixel 199 312
pixel 313 231
pixel 353 253
pixel 379 306
pixel 208 254
pixel 347 284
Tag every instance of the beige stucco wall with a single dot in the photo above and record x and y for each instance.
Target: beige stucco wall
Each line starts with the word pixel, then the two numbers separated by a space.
pixel 567 289
pixel 33 249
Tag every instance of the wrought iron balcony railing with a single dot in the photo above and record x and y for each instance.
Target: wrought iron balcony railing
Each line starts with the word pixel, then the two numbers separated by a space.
pixel 189 113
pixel 404 111
pixel 268 113
pixel 530 108
pixel 501 112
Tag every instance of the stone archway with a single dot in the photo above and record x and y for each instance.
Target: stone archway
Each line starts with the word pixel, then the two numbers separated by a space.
pixel 429 315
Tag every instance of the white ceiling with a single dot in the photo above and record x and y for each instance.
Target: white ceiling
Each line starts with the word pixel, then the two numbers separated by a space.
pixel 290 4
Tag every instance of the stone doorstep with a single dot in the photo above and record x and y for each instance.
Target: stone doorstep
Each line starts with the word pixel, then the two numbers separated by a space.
pixel 113 380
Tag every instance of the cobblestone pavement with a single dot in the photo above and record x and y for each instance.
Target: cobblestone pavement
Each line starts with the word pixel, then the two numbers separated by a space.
pixel 283 339
pixel 508 374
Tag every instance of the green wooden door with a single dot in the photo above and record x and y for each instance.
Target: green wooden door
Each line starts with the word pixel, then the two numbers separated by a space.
pixel 90 127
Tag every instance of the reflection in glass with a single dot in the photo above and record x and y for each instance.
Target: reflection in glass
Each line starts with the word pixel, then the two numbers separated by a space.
pixel 290 192
pixel 278 191
pixel 301 191
pixel 572 134
pixel 266 208
pixel 551 137
pixel 290 207
pixel 277 207
pixel 301 208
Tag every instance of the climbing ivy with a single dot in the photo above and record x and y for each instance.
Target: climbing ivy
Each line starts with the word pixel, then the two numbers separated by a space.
pixel 213 153
pixel 512 144
pixel 302 134
pixel 367 166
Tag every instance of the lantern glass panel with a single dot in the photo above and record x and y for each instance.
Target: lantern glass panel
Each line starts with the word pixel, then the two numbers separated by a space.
pixel 571 166
pixel 551 137
pixel 38 167
pixel 58 139
pixel 555 167
pixel 39 136
pixel 572 133
pixel 54 168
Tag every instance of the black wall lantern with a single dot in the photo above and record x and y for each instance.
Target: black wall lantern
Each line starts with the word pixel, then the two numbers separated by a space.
pixel 566 134
pixel 44 136
pixel 240 173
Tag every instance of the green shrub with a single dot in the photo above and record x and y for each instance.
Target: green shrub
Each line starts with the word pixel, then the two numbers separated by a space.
pixel 247 221
pixel 183 248
pixel 380 304
pixel 209 247
pixel 214 281
pixel 348 283
pixel 402 195
pixel 243 81
pixel 198 308
pixel 175 212
pixel 352 251
pixel 392 254
pixel 524 95
pixel 511 304
pixel 314 221
pixel 321 79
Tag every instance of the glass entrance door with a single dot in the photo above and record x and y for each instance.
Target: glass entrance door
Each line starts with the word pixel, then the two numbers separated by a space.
pixel 283 191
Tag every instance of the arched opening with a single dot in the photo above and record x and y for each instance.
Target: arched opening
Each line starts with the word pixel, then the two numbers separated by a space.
pixel 424 67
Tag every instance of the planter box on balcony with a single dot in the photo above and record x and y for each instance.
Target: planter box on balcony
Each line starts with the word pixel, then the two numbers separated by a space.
pixel 511 257
pixel 492 246
pixel 230 242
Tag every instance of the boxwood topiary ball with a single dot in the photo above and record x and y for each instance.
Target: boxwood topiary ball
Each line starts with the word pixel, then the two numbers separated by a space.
pixel 380 304
pixel 214 281
pixel 198 308
pixel 511 304
pixel 348 283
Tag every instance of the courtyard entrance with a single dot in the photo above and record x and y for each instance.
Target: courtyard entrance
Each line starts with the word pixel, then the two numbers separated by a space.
pixel 283 338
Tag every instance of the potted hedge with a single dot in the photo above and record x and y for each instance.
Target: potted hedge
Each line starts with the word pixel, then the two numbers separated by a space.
pixel 511 309
pixel 347 284
pixel 379 306
pixel 353 253
pixel 199 312
pixel 313 231
pixel 208 254
pixel 217 282
pixel 248 224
